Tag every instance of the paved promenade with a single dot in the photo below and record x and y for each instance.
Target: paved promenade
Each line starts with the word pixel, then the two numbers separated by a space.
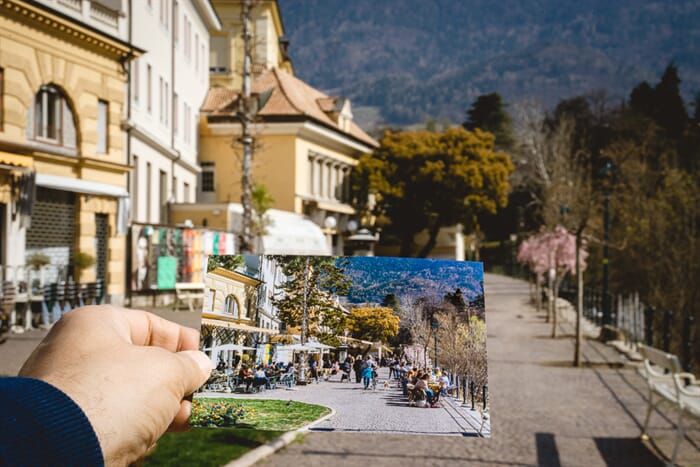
pixel 384 410
pixel 543 412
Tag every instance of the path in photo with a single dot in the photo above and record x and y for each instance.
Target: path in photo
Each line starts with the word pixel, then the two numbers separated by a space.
pixel 380 410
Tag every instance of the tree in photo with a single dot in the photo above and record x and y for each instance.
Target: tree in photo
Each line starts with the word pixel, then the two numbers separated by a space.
pixel 377 324
pixel 426 181
pixel 462 346
pixel 309 296
pixel 228 262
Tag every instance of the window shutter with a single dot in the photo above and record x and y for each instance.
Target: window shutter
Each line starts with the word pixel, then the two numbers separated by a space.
pixel 30 120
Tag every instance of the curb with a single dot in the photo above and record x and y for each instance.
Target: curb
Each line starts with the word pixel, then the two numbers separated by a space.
pixel 269 448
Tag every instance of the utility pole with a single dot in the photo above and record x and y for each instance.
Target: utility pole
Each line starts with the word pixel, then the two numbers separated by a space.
pixel 246 117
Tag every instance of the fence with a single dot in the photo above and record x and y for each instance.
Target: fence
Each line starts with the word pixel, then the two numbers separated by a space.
pixel 641 323
pixel 473 395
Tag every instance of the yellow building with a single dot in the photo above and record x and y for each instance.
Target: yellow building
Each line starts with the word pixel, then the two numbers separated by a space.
pixel 63 89
pixel 306 142
pixel 230 313
pixel 226 45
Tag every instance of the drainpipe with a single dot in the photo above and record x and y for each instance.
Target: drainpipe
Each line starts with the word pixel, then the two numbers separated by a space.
pixel 173 188
pixel 127 274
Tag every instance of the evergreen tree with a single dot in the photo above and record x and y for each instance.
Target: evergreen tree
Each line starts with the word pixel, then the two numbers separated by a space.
pixel 488 113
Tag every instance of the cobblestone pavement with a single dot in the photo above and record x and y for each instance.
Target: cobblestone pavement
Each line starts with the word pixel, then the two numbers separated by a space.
pixel 383 410
pixel 543 412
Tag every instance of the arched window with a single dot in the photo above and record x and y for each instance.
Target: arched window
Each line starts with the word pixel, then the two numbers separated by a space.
pixel 51 118
pixel 231 306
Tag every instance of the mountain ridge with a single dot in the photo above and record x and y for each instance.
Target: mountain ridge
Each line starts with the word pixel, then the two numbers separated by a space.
pixel 411 60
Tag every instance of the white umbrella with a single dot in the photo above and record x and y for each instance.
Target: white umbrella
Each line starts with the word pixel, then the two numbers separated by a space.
pixel 319 345
pixel 306 347
pixel 223 347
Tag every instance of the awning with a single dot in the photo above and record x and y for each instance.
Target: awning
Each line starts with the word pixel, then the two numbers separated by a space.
pixel 10 161
pixel 288 233
pixel 238 326
pixel 293 234
pixel 77 185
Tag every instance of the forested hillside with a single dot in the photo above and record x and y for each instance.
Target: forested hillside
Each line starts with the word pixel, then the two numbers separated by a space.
pixel 413 59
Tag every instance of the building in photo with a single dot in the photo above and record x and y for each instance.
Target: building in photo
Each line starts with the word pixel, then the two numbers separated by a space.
pixel 230 314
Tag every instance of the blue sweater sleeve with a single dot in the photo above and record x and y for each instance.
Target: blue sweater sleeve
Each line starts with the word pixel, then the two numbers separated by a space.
pixel 40 425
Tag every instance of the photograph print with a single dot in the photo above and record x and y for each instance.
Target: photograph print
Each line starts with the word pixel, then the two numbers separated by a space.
pixel 347 344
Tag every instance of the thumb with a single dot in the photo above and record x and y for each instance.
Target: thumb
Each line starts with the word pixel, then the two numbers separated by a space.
pixel 196 368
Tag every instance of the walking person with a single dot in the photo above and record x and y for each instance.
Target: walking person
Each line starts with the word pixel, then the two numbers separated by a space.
pixel 357 366
pixel 367 373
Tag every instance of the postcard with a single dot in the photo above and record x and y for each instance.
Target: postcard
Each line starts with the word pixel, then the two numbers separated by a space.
pixel 347 344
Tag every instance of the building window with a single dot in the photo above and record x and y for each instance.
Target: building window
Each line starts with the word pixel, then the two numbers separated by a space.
pixel 53 118
pixel 135 187
pixel 176 22
pixel 135 77
pixel 231 306
pixel 207 177
pixel 186 123
pixel 186 192
pixel 102 126
pixel 163 182
pixel 164 13
pixel 161 100
pixel 149 95
pixel 196 52
pixel 203 74
pixel 188 37
pixel 210 303
pixel 219 54
pixel 148 192
pixel 166 101
pixel 175 107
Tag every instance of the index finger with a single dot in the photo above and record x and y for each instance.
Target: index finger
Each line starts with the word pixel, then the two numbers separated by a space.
pixel 148 329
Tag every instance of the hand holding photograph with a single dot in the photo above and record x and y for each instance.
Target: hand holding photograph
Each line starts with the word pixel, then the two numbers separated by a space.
pixel 349 344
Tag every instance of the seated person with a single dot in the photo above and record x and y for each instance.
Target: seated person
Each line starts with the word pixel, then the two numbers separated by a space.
pixel 445 384
pixel 422 383
pixel 245 376
pixel 260 379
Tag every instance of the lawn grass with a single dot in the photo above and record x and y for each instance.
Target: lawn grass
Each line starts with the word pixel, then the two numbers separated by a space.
pixel 217 446
pixel 207 447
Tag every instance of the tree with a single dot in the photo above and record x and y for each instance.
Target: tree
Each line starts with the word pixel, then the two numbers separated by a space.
pixel 377 324
pixel 488 113
pixel 462 346
pixel 228 262
pixel 262 201
pixel 662 103
pixel 428 181
pixel 308 297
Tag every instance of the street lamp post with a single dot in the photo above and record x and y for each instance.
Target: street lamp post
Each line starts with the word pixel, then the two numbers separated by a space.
pixel 435 327
pixel 304 324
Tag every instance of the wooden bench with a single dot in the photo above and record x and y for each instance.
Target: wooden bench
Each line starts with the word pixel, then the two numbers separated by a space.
pixel 188 293
pixel 667 382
